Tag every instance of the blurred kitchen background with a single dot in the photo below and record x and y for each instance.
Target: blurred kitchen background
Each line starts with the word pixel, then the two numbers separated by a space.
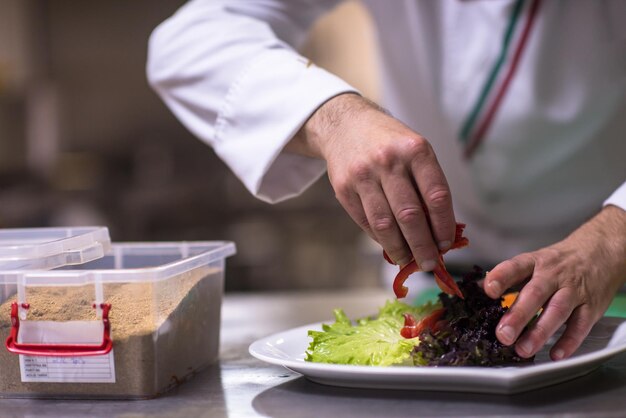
pixel 85 141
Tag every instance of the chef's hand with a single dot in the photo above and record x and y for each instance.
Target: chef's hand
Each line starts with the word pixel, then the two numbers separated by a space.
pixel 380 169
pixel 573 281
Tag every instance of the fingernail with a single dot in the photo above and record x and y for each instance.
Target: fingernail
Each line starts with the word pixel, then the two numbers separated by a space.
pixel 558 354
pixel 526 347
pixel 495 287
pixel 428 265
pixel 445 245
pixel 507 334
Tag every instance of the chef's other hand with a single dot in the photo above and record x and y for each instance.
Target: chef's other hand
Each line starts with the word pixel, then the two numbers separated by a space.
pixel 381 171
pixel 573 281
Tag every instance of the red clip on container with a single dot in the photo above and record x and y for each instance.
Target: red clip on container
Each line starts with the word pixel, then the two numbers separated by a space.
pixel 59 350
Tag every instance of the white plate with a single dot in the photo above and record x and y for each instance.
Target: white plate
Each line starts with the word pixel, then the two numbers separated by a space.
pixel 287 349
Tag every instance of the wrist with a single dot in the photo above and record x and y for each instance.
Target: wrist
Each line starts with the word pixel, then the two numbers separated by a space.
pixel 607 233
pixel 613 221
pixel 323 126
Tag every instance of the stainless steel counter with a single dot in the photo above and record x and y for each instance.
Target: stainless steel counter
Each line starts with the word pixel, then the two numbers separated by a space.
pixel 241 386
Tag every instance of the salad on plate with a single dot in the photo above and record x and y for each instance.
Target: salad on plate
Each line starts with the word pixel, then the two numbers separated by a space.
pixel 457 330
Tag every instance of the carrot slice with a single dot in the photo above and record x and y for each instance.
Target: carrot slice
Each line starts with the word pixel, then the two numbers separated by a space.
pixel 508 299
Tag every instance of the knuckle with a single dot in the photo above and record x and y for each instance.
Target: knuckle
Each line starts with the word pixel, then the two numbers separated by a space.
pixel 418 147
pixel 361 172
pixel 534 291
pixel 549 259
pixel 505 272
pixel 382 224
pixel 439 199
pixel 341 181
pixel 521 260
pixel 551 253
pixel 514 264
pixel 364 224
pixel 342 190
pixel 385 157
pixel 559 309
pixel 409 215
pixel 510 264
pixel 540 333
pixel 580 326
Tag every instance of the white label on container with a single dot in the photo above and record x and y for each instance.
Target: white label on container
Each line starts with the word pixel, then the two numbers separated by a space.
pixel 80 369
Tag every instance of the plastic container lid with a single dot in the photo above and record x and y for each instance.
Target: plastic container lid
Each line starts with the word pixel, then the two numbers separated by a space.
pixel 130 262
pixel 49 248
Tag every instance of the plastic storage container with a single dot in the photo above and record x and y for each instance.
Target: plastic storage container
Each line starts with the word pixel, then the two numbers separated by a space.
pixel 155 306
pixel 48 248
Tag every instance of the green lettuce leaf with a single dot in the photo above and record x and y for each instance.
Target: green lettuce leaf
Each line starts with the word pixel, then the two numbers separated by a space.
pixel 369 341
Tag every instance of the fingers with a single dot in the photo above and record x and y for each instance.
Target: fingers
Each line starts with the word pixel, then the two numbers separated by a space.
pixel 426 228
pixel 435 193
pixel 380 221
pixel 507 274
pixel 351 202
pixel 411 219
pixel 384 227
pixel 381 195
pixel 578 327
pixel 561 304
pixel 554 314
pixel 531 298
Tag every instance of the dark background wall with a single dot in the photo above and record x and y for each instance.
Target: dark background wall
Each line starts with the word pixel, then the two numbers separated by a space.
pixel 84 140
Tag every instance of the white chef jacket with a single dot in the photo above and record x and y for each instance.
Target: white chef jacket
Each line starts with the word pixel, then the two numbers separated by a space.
pixel 554 151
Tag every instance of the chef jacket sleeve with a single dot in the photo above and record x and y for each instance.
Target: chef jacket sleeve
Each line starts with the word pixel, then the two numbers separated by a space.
pixel 229 71
pixel 618 198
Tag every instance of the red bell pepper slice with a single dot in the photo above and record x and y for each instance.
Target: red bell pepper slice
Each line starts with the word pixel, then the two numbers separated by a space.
pixel 398 283
pixel 459 240
pixel 443 279
pixel 412 328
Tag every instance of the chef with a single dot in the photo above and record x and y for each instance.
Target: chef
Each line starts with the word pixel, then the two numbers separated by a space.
pixel 516 109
